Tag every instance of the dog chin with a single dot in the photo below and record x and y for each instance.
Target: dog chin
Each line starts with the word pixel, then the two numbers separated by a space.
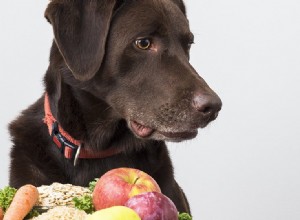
pixel 144 132
pixel 174 137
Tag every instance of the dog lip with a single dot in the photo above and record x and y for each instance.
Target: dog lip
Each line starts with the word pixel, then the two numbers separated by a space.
pixel 145 132
pixel 180 135
pixel 141 130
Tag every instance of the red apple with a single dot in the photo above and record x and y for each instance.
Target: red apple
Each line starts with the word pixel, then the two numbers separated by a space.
pixel 153 206
pixel 116 186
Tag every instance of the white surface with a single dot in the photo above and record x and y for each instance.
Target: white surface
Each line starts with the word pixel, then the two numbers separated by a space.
pixel 245 165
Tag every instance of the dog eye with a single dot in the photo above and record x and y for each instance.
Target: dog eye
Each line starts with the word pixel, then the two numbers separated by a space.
pixel 143 44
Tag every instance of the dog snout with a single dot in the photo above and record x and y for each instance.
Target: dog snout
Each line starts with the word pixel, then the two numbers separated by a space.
pixel 208 105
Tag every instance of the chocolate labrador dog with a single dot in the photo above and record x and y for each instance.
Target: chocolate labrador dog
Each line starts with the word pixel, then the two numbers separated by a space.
pixel 118 86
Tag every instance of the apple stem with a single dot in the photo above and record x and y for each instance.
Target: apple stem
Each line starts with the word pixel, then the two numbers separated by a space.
pixel 136 180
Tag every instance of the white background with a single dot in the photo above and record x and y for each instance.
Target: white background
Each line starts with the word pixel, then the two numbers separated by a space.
pixel 245 166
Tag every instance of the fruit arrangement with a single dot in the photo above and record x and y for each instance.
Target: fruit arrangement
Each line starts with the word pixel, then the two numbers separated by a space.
pixel 135 190
pixel 120 194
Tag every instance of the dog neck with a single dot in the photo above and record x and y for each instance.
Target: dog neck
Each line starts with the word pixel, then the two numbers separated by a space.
pixel 70 147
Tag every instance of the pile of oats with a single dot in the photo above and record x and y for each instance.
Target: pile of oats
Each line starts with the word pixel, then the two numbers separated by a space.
pixel 58 198
pixel 58 194
pixel 62 213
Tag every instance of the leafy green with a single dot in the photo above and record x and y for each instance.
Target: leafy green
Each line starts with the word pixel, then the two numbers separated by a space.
pixel 184 216
pixel 84 203
pixel 92 184
pixel 6 196
pixel 32 213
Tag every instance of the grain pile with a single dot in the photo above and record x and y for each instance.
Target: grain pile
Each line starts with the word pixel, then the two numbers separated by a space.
pixel 62 213
pixel 58 198
pixel 60 194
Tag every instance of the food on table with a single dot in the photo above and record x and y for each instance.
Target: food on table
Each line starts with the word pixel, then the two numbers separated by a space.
pixel 62 213
pixel 115 213
pixel 118 185
pixel 115 190
pixel 153 206
pixel 1 213
pixel 6 196
pixel 58 194
pixel 184 216
pixel 22 203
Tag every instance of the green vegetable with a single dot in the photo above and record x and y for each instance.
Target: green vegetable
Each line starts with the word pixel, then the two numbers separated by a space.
pixel 32 213
pixel 184 216
pixel 6 196
pixel 84 203
pixel 92 184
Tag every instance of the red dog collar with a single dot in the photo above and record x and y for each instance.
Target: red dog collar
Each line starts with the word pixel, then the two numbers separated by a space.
pixel 70 147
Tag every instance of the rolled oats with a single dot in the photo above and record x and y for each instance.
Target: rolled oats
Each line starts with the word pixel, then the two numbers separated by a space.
pixel 62 213
pixel 58 194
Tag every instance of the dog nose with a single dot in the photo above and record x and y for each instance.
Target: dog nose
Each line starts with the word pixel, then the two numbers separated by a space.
pixel 208 105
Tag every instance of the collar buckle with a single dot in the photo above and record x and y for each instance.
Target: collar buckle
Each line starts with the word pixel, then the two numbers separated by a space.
pixel 68 149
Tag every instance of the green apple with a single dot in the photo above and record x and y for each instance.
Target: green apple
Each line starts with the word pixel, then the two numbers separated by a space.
pixel 115 213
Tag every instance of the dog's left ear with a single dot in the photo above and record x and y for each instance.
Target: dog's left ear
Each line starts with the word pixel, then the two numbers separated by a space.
pixel 80 30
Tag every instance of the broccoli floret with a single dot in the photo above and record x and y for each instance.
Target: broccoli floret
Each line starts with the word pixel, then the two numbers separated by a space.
pixel 84 203
pixel 6 196
pixel 92 184
pixel 184 216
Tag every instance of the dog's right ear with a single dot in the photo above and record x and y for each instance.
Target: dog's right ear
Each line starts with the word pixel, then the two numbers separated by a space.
pixel 80 30
pixel 181 6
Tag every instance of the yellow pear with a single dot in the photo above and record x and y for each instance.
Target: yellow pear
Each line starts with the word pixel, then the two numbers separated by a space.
pixel 115 213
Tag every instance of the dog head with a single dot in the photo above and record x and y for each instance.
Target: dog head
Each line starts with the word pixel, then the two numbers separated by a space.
pixel 134 56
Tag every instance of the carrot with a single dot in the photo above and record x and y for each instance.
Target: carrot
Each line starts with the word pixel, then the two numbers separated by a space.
pixel 23 201
pixel 1 214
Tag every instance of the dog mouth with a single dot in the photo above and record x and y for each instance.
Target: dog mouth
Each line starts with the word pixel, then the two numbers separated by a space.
pixel 143 131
